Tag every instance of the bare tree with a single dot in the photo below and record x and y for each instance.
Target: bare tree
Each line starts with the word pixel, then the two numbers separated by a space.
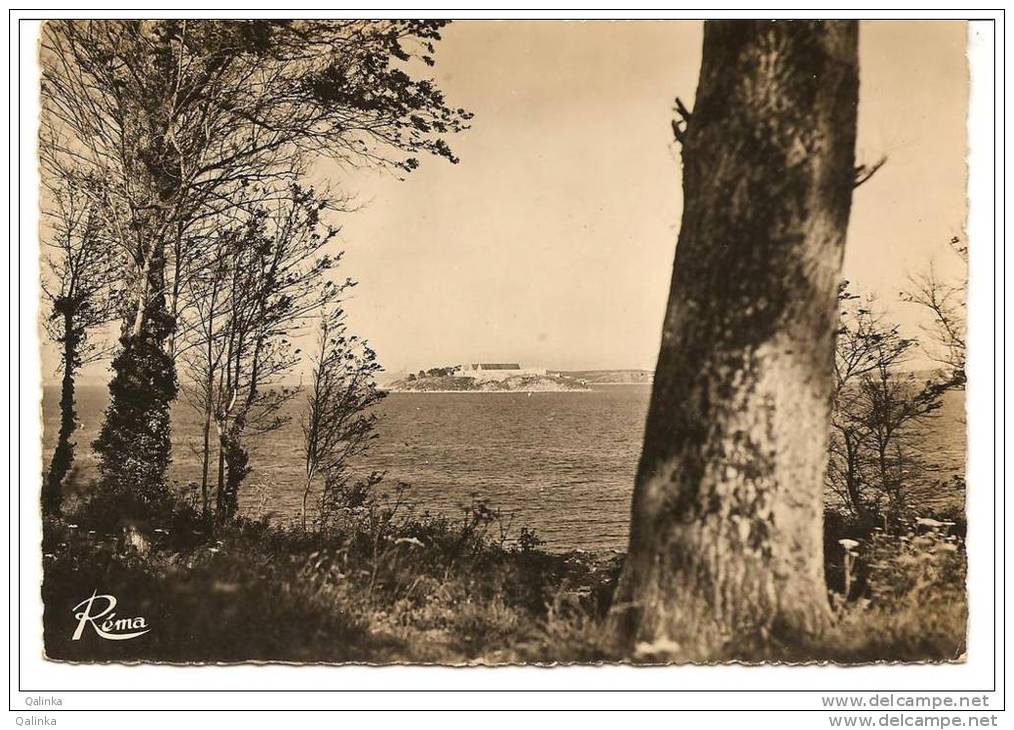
pixel 856 349
pixel 80 269
pixel 262 280
pixel 178 118
pixel 208 306
pixel 946 303
pixel 338 421
pixel 726 536
pixel 878 407
pixel 896 406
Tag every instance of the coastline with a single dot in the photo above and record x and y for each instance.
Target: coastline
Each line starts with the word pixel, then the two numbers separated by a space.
pixel 482 392
pixel 624 384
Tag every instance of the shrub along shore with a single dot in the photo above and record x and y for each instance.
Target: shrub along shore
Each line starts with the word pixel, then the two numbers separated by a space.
pixel 384 585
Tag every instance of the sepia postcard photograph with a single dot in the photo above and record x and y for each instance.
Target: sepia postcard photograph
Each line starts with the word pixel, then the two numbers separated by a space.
pixel 504 341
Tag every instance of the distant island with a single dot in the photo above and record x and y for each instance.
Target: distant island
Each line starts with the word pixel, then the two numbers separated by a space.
pixel 609 377
pixel 510 378
pixel 485 378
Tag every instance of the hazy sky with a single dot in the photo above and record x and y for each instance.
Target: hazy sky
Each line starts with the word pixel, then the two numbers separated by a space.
pixel 552 242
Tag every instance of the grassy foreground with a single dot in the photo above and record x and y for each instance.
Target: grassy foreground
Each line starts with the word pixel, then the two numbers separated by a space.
pixel 383 585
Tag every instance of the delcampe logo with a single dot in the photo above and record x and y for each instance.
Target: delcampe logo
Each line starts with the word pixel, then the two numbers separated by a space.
pixel 97 611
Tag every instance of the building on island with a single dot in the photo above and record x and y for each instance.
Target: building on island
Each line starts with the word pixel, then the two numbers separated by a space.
pixel 495 370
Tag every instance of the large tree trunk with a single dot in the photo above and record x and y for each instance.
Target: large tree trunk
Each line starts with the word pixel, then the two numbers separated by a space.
pixel 725 548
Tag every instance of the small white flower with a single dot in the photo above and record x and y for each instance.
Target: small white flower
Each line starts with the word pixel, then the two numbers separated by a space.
pixel 661 646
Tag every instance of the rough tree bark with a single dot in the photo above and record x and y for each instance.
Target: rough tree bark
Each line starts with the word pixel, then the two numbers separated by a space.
pixel 725 547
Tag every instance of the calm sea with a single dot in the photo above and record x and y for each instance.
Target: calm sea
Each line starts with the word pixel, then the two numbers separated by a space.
pixel 561 463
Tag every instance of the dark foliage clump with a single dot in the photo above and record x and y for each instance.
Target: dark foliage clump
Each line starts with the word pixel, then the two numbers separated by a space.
pixel 377 586
pixel 134 444
pixel 381 583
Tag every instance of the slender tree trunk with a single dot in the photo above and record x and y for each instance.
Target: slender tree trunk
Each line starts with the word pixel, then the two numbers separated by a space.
pixel 134 444
pixel 63 455
pixel 726 547
pixel 852 478
pixel 206 463
pixel 209 400
pixel 237 461
pixel 306 497
pixel 220 489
